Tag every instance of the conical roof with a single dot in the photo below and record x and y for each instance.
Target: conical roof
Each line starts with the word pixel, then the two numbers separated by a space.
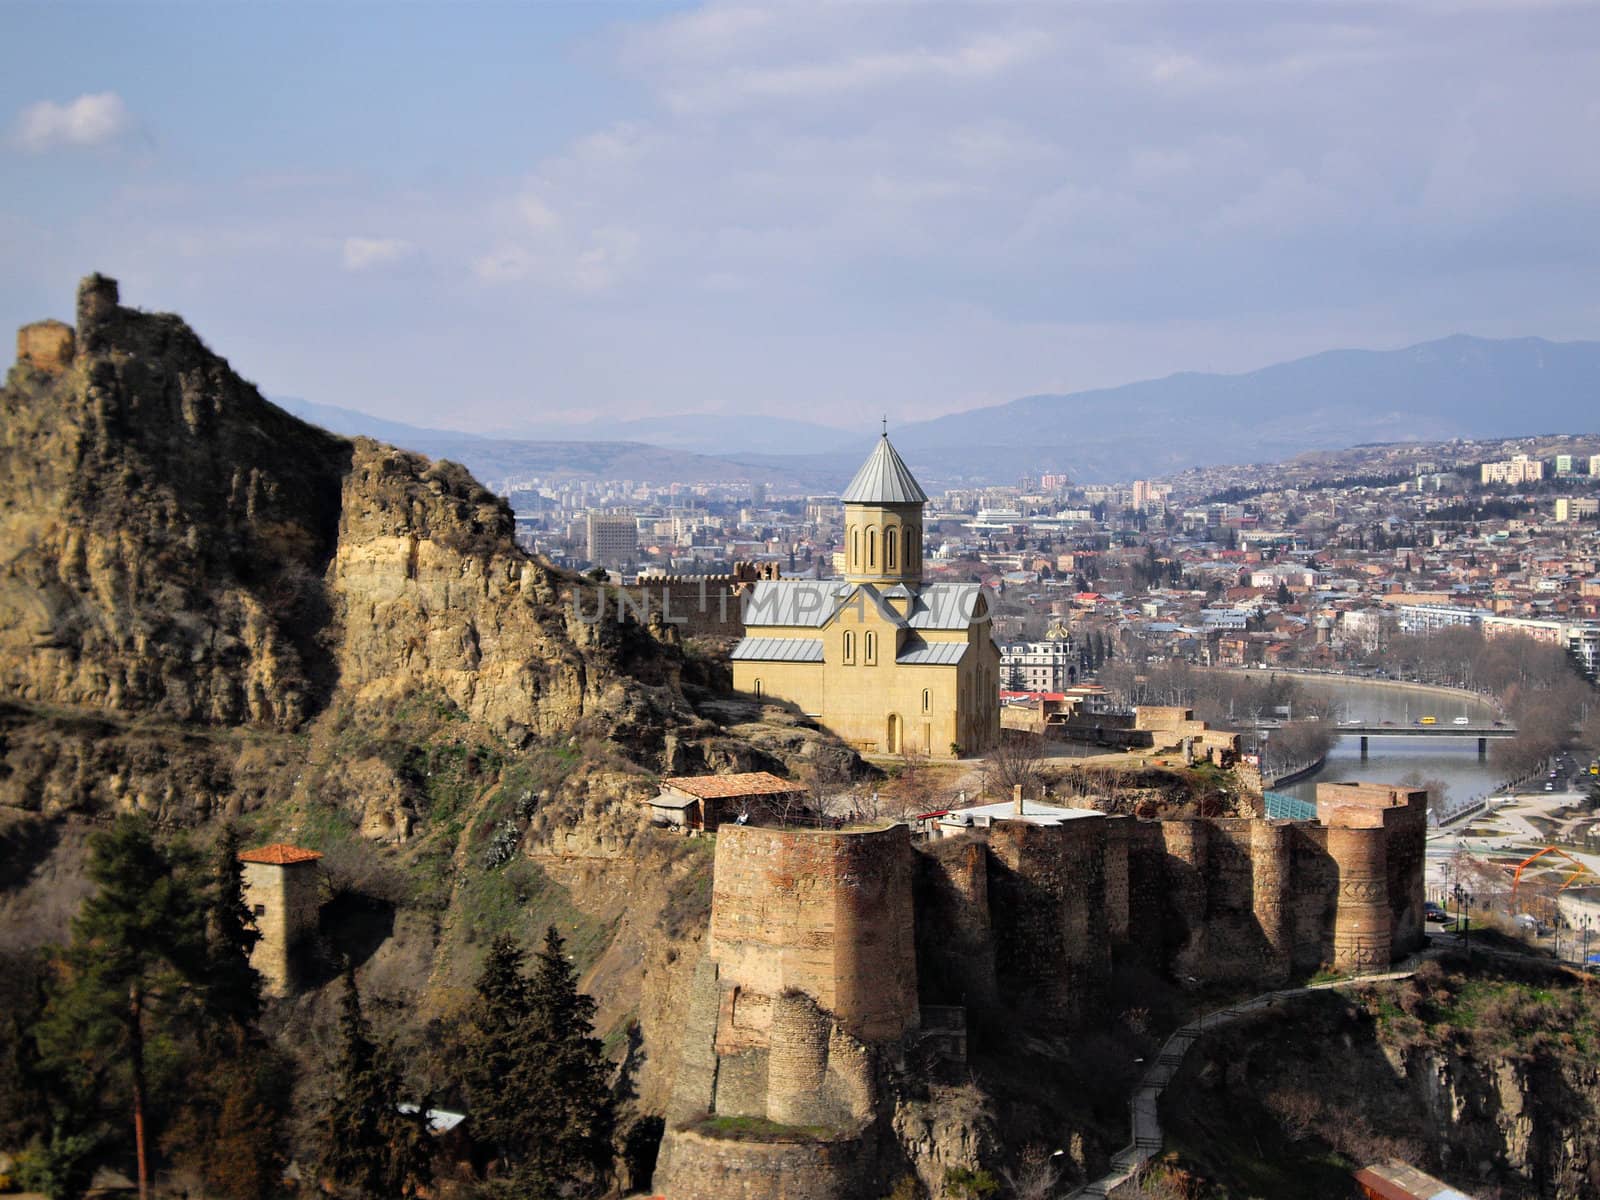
pixel 884 479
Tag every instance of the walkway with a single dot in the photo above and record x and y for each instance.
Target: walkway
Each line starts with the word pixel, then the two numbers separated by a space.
pixel 1145 1106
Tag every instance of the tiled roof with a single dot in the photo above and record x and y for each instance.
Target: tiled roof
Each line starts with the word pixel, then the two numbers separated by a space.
pixel 884 479
pixel 708 787
pixel 769 649
pixel 279 854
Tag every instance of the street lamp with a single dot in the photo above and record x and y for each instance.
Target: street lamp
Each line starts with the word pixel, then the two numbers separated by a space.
pixel 1464 925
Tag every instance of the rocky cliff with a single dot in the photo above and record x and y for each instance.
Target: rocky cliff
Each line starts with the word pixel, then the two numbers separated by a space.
pixel 209 607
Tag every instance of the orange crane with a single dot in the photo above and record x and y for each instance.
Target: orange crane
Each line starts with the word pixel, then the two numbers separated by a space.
pixel 1516 878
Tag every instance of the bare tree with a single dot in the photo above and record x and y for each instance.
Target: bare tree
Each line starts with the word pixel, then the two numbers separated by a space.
pixel 1017 760
pixel 1036 1174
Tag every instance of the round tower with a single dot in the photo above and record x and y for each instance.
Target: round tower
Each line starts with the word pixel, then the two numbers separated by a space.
pixel 883 520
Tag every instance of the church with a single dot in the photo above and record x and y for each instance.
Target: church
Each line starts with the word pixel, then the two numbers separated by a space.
pixel 890 665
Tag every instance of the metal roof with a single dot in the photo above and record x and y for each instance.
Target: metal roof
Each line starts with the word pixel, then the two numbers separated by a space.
pixel 806 602
pixel 946 606
pixel 771 649
pixel 931 654
pixel 884 479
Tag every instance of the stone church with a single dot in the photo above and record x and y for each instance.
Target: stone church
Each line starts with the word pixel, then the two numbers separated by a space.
pixel 891 665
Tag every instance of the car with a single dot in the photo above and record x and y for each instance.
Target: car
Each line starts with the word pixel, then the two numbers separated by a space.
pixel 1434 912
pixel 1461 721
pixel 1549 787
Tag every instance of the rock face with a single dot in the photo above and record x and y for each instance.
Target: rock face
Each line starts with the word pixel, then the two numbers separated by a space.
pixel 177 547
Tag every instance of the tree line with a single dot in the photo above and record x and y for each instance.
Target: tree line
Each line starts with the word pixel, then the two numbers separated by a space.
pixel 140 1045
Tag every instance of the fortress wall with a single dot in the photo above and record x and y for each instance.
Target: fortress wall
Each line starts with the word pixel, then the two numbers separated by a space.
pixel 1361 936
pixel 699 1167
pixel 287 901
pixel 1406 842
pixel 1183 918
pixel 829 914
pixel 694 1083
pixel 1147 884
pixel 1272 877
pixel 797 1063
pixel 1048 901
pixel 955 936
pixel 1312 897
pixel 705 606
pixel 1118 832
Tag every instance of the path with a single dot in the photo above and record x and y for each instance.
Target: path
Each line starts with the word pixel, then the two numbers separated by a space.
pixel 1145 1105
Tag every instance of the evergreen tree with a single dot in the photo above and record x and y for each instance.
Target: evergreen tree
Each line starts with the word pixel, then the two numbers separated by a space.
pixel 535 1077
pixel 233 992
pixel 580 1118
pixel 1285 596
pixel 138 956
pixel 374 1151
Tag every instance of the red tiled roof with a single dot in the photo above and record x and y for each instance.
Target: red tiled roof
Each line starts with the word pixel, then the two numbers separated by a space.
pixel 706 787
pixel 279 854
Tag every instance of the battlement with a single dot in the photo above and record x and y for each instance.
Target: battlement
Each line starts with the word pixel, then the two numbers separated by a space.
pixel 48 346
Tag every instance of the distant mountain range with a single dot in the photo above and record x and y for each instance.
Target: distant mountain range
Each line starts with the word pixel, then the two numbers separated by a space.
pixel 1458 386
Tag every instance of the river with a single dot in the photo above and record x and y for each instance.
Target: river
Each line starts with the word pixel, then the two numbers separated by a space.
pixel 1392 759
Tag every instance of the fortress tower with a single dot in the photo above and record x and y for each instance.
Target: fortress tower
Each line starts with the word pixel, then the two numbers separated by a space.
pixel 283 887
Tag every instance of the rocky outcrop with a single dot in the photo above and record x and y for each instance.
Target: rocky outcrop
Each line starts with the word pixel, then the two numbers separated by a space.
pixel 177 547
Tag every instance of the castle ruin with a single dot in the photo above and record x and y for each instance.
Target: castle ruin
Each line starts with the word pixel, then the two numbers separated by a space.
pixel 826 949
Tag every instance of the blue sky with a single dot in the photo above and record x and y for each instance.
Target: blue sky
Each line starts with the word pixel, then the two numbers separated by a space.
pixel 483 215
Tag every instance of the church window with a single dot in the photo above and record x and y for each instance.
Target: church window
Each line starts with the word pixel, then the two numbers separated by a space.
pixel 927 700
pixel 872 547
pixel 872 648
pixel 758 689
pixel 849 646
pixel 855 547
pixel 889 540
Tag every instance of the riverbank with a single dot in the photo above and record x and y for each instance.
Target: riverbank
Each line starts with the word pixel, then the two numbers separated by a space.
pixel 1336 679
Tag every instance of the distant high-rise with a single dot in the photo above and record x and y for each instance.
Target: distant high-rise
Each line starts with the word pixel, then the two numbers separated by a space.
pixel 613 538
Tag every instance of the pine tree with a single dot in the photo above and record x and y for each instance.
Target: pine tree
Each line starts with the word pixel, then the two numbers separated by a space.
pixel 138 955
pixel 374 1151
pixel 234 986
pixel 581 1117
pixel 535 1076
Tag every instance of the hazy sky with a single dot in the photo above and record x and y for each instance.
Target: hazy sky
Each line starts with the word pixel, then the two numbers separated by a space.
pixel 476 214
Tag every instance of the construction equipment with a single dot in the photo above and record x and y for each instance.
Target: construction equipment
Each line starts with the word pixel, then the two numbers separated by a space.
pixel 1582 869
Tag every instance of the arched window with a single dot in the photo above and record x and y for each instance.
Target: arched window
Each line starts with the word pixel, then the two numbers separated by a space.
pixel 927 700
pixel 758 689
pixel 889 547
pixel 872 547
pixel 849 646
pixel 913 555
pixel 855 547
pixel 872 647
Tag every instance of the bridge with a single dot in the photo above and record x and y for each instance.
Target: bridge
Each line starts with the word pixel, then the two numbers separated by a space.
pixel 1482 732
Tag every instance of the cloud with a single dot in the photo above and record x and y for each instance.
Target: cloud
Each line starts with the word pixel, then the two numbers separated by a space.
pixel 363 253
pixel 93 119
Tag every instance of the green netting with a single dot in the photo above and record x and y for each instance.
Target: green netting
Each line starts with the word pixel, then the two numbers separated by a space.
pixel 1288 808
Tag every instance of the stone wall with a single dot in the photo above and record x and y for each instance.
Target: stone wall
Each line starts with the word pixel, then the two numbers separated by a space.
pixel 713 1168
pixel 1048 890
pixel 286 901
pixel 955 931
pixel 828 914
pixel 45 346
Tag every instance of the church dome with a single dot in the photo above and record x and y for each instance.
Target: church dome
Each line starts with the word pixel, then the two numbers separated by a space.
pixel 884 479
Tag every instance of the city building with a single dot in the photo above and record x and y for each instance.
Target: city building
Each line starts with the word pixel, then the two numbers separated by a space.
pixel 1575 508
pixel 612 538
pixel 1519 468
pixel 1050 666
pixel 890 664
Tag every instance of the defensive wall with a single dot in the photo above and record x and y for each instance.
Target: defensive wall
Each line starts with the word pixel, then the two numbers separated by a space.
pixel 824 946
pixel 698 605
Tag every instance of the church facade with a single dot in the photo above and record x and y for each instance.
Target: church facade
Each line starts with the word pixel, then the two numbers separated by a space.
pixel 889 664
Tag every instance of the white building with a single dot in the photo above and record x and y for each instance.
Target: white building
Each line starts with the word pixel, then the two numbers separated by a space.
pixel 1039 666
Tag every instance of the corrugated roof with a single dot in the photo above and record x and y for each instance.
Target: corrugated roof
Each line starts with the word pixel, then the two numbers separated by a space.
pixel 771 649
pixel 946 606
pixel 884 479
pixel 932 654
pixel 279 854
pixel 804 602
pixel 753 783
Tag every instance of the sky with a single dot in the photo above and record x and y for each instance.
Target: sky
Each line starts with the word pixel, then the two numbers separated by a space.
pixel 484 216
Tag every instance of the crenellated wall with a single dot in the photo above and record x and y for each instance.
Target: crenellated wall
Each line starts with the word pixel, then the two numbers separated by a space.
pixel 824 944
